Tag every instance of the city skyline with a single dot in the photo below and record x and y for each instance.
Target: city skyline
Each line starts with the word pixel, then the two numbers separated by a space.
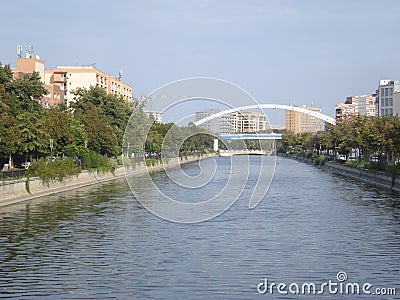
pixel 280 51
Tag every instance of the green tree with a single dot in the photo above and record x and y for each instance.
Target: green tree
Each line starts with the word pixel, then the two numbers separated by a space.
pixel 34 138
pixel 104 118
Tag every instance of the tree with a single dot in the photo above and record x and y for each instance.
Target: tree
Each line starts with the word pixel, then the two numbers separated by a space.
pixel 104 118
pixel 33 137
pixel 23 93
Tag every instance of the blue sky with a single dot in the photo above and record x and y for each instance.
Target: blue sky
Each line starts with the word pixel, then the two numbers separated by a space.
pixel 288 52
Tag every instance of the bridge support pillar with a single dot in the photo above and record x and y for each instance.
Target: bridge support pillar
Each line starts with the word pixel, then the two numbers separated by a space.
pixel 215 148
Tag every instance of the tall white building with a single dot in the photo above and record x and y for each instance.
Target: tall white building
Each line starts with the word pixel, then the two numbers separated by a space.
pixel 389 97
pixel 236 122
pixel 156 115
pixel 221 125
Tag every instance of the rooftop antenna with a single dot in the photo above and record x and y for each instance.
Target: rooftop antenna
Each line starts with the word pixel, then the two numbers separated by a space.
pixel 19 51
pixel 119 74
pixel 29 53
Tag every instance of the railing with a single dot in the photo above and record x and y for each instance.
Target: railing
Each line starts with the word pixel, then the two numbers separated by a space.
pixel 13 173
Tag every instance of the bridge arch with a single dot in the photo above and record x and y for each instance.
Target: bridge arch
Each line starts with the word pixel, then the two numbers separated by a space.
pixel 315 114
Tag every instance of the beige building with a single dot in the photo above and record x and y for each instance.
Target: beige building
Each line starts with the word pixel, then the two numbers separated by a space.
pixel 299 122
pixel 68 78
pixel 30 64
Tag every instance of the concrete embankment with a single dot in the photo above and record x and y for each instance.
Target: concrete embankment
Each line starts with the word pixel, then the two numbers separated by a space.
pixel 20 190
pixel 380 179
pixel 376 178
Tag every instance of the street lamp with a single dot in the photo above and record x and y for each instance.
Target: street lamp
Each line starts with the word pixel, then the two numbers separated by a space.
pixel 86 144
pixel 51 149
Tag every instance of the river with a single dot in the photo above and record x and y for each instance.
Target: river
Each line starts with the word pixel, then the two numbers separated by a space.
pixel 98 242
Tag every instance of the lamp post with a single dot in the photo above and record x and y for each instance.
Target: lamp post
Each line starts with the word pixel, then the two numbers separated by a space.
pixel 51 149
pixel 127 151
pixel 86 144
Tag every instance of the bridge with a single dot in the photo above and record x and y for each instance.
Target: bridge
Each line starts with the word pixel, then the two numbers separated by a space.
pixel 243 152
pixel 303 110
pixel 255 136
pixel 259 136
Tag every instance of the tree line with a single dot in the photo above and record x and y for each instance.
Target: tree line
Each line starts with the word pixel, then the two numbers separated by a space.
pixel 95 121
pixel 363 135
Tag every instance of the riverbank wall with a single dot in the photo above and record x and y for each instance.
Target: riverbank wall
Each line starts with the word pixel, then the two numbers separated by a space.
pixel 379 179
pixel 19 190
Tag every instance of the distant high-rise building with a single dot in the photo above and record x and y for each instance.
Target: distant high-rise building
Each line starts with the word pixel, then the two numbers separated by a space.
pixel 365 105
pixel 299 122
pixel 68 78
pixel 248 122
pixel 236 122
pixel 156 115
pixel 220 125
pixel 389 97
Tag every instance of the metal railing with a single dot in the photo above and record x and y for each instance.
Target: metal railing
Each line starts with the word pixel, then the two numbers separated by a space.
pixel 13 173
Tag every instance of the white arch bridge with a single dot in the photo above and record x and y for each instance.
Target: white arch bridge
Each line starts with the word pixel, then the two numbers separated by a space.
pixel 303 110
pixel 272 136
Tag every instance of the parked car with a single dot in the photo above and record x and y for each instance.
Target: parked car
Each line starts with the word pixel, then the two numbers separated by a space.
pixel 374 158
pixel 49 159
pixel 341 157
pixel 26 164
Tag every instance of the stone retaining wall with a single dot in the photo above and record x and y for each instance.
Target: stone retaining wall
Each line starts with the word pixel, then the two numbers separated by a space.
pixel 377 178
pixel 18 190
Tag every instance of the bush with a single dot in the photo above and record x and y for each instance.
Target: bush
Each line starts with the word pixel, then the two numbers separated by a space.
pixel 93 161
pixel 54 170
pixel 318 160
pixel 357 163
pixel 152 161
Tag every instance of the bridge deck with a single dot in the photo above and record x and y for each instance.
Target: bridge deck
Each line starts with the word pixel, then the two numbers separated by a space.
pixel 262 136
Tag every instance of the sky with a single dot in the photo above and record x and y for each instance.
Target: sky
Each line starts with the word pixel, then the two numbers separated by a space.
pixel 285 52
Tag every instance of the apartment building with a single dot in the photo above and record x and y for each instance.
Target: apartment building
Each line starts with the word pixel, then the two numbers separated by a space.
pixel 389 97
pixel 32 63
pixel 299 122
pixel 69 78
pixel 365 105
pixel 236 122
pixel 155 114
pixel 248 122
pixel 61 81
pixel 219 125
